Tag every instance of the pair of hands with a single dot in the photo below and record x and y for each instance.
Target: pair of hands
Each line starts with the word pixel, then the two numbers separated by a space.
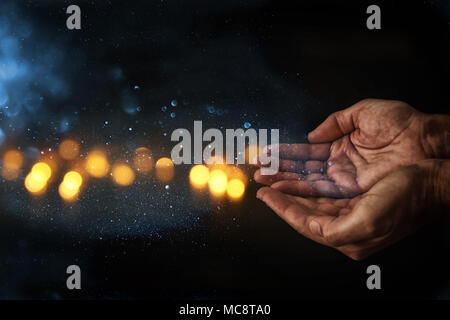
pixel 364 180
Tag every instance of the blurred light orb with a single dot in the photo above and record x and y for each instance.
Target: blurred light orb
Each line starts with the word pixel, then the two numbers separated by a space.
pixel 67 193
pixel 164 163
pixel 42 170
pixel 199 176
pixel 218 182
pixel 35 183
pixel 143 161
pixel 51 159
pixel 12 163
pixel 73 180
pixel 235 189
pixel 69 149
pixel 165 170
pixel 70 187
pixel 13 160
pixel 97 164
pixel 123 175
pixel 36 180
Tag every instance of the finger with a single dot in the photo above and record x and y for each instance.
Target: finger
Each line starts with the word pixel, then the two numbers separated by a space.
pixel 357 226
pixel 280 203
pixel 315 177
pixel 341 203
pixel 336 125
pixel 291 166
pixel 308 167
pixel 318 188
pixel 270 179
pixel 303 151
pixel 294 213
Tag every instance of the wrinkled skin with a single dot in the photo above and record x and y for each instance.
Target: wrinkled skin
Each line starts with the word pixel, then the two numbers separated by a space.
pixel 352 150
pixel 394 207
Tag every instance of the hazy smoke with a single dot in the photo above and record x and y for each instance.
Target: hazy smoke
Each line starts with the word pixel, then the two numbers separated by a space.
pixel 29 72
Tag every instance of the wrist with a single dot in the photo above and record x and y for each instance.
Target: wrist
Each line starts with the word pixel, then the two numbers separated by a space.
pixel 435 179
pixel 435 136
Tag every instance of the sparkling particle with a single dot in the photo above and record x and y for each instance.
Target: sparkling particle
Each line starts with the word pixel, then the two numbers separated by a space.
pixel 211 109
pixel 136 87
pixel 247 125
pixel 174 103
pixel 330 163
pixel 130 129
pixel 172 115
pixel 139 109
pixel 167 187
pixel 163 108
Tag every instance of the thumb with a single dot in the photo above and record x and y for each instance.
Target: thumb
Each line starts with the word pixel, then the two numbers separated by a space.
pixel 337 231
pixel 335 126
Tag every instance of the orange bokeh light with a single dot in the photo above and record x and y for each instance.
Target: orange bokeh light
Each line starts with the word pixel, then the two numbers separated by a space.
pixel 36 181
pixel 70 187
pixel 165 170
pixel 123 175
pixel 69 149
pixel 97 164
pixel 235 189
pixel 12 163
pixel 217 182
pixel 13 159
pixel 199 176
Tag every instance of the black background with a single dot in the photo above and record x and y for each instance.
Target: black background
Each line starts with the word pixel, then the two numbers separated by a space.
pixel 287 65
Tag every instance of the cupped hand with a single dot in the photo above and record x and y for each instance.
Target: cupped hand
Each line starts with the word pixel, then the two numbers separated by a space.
pixel 352 150
pixel 394 207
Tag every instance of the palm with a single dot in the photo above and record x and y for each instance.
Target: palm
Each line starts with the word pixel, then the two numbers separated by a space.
pixel 359 226
pixel 375 138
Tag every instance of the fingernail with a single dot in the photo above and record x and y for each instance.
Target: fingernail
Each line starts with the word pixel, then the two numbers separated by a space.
pixel 315 227
pixel 259 194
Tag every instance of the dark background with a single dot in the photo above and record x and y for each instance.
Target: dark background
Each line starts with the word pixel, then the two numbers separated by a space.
pixel 274 64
